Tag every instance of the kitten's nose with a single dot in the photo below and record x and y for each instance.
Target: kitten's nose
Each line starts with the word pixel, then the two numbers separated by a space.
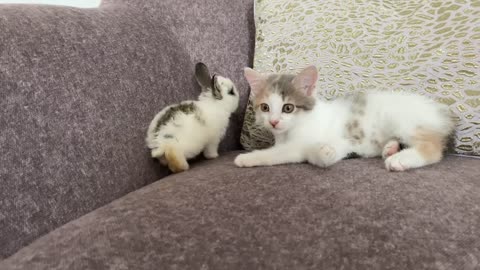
pixel 274 122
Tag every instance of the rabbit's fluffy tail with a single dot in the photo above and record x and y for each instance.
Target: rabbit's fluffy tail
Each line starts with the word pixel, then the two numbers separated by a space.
pixel 170 154
pixel 175 158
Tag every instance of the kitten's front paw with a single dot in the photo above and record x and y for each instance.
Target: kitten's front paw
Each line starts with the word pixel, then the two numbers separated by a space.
pixel 394 163
pixel 246 160
pixel 321 155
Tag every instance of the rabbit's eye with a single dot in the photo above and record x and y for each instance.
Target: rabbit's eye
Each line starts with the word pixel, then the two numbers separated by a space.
pixel 231 92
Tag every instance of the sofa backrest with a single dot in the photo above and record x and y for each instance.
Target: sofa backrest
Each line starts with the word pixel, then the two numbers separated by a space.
pixel 78 88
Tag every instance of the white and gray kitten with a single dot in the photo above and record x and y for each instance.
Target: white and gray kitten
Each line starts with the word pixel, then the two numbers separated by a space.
pixel 308 129
pixel 182 131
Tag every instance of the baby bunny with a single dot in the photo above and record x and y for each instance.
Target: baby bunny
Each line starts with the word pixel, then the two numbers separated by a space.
pixel 182 131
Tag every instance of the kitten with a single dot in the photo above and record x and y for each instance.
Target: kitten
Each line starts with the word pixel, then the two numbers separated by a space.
pixel 182 131
pixel 325 132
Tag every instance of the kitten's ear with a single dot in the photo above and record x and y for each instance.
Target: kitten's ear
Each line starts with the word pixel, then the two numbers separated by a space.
pixel 305 80
pixel 255 79
pixel 203 75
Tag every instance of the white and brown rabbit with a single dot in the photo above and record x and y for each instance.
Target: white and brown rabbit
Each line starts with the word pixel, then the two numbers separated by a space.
pixel 182 131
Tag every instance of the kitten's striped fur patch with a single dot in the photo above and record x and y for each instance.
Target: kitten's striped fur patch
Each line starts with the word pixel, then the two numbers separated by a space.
pixel 282 85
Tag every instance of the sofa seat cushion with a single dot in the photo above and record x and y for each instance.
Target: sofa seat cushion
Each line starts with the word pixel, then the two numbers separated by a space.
pixel 355 215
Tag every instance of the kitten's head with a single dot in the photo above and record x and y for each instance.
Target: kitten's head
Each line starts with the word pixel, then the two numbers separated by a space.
pixel 278 99
pixel 217 88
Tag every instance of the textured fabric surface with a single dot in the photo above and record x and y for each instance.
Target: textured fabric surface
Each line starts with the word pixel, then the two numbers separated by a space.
pixel 355 215
pixel 427 47
pixel 78 89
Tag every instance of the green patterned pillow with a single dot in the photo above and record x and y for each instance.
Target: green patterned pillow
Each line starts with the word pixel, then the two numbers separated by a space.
pixel 429 47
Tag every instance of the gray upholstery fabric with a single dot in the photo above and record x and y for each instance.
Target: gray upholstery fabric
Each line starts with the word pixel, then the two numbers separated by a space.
pixel 355 215
pixel 78 89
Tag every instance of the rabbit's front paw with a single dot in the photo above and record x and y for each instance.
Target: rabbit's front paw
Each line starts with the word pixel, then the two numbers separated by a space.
pixel 210 154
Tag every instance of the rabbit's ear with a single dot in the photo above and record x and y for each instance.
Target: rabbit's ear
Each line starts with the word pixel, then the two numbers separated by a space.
pixel 216 92
pixel 203 75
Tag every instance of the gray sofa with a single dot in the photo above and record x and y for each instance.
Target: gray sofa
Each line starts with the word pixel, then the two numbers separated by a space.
pixel 79 190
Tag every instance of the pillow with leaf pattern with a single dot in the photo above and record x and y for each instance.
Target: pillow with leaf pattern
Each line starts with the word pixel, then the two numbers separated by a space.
pixel 428 47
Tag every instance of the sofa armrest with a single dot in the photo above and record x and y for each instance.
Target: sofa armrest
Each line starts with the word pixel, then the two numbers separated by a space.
pixel 78 89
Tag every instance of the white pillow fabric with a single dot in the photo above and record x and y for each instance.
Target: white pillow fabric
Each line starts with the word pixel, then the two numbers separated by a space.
pixel 428 47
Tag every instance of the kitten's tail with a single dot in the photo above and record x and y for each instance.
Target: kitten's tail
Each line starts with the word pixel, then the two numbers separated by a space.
pixel 175 158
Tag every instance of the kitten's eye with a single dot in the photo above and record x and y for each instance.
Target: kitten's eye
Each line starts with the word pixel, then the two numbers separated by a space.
pixel 264 107
pixel 231 92
pixel 288 108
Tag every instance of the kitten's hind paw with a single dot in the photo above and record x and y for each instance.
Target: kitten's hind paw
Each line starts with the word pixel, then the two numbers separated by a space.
pixel 392 147
pixel 394 163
